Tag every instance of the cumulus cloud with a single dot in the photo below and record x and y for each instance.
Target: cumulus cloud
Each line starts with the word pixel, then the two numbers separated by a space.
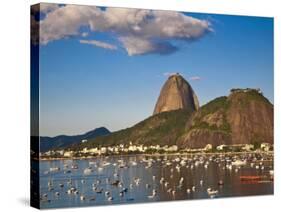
pixel 139 46
pixel 46 8
pixel 65 21
pixel 138 31
pixel 195 78
pixel 99 44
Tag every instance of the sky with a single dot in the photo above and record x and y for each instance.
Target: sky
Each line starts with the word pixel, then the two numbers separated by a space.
pixel 106 66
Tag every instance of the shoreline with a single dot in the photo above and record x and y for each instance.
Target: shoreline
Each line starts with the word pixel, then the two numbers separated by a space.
pixel 156 155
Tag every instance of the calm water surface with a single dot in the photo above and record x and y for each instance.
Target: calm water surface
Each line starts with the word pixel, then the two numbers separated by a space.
pixel 99 181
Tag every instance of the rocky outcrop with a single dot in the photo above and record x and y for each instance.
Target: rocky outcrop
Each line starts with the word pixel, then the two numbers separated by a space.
pixel 176 94
pixel 250 116
pixel 244 117
pixel 199 138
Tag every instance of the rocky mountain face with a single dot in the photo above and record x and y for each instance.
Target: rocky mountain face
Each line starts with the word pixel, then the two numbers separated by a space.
pixel 244 117
pixel 62 141
pixel 176 94
pixel 250 116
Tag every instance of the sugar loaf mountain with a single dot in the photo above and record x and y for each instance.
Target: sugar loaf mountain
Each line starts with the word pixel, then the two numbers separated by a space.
pixel 245 116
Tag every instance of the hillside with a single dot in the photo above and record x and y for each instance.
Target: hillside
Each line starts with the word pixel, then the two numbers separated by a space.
pixel 163 129
pixel 244 117
pixel 62 141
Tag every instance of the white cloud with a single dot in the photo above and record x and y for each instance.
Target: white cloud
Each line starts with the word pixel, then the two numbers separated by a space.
pixel 139 31
pixel 65 21
pixel 139 46
pixel 46 7
pixel 195 78
pixel 99 44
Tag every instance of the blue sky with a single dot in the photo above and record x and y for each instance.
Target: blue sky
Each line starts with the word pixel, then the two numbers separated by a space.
pixel 89 85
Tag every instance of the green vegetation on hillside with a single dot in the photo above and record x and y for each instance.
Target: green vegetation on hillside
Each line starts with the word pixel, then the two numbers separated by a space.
pixel 221 104
pixel 161 129
pixel 218 105
pixel 214 105
pixel 245 97
pixel 170 128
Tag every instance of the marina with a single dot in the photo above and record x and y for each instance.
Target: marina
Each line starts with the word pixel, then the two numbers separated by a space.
pixel 142 178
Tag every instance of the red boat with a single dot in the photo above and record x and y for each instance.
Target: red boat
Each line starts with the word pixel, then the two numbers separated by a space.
pixel 252 178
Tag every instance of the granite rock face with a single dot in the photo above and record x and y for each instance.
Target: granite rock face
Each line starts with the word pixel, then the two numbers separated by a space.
pixel 176 94
pixel 250 116
pixel 243 117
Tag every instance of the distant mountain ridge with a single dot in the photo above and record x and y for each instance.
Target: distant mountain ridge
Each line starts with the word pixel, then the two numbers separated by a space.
pixel 63 141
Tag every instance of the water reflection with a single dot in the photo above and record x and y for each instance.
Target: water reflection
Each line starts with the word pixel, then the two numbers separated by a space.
pixel 131 179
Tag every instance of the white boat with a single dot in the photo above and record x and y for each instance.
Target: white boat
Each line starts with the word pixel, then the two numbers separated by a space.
pixel 74 166
pixel 134 163
pixel 122 165
pixel 193 188
pixel 54 169
pixel 110 198
pixel 181 180
pixel 88 170
pixel 106 164
pixel 45 195
pixel 72 190
pixel 149 164
pixel 177 159
pixel 168 163
pixel 137 181
pixel 154 192
pixel 212 192
pixel 183 162
pixel 239 163
pixel 229 167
